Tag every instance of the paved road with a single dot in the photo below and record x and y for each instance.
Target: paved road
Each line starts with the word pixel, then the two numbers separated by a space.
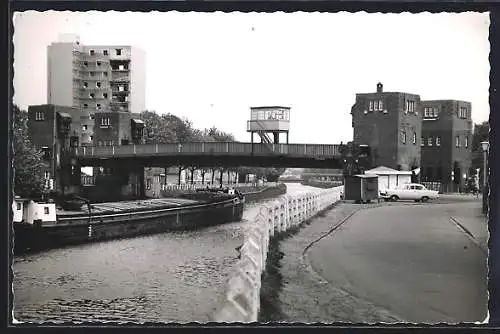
pixel 409 260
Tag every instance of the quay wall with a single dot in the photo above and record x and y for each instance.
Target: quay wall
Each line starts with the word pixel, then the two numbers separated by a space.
pixel 252 192
pixel 241 301
pixel 265 193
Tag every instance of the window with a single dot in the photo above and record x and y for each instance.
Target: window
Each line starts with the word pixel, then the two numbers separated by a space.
pixel 98 84
pixel 417 187
pixel 375 105
pixel 46 210
pixel 429 141
pixel 92 95
pixel 430 112
pixel 466 141
pixel 121 67
pixel 92 52
pixel 84 127
pixel 148 184
pixel 462 112
pixel 422 141
pixel 98 63
pixel 438 141
pixel 410 106
pixel 85 85
pixel 457 141
pixel 105 74
pixel 18 206
pixel 91 116
pixel 91 138
pixel 92 74
pixel 414 138
pixel 105 121
pixel 122 89
pixel 105 95
pixel 435 112
pixel 85 105
pixel 111 143
pixel 105 52
pixel 46 174
pixel 403 137
pixel 85 63
pixel 380 105
pixel 371 106
pixel 98 106
pixel 39 116
pixel 118 52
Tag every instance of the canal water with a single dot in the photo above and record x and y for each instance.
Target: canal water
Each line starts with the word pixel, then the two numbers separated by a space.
pixel 168 277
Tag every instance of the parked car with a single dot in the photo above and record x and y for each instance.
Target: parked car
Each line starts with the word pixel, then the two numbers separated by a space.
pixel 411 191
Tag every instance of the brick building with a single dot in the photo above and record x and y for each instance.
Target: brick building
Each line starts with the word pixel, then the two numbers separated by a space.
pixel 52 128
pixel 390 123
pixel 446 143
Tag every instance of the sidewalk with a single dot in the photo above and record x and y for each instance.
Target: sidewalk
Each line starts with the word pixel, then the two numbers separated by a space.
pixel 306 297
pixel 469 216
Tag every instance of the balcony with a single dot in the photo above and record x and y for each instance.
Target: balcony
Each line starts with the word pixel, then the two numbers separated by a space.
pixel 96 56
pixel 116 91
pixel 118 106
pixel 122 76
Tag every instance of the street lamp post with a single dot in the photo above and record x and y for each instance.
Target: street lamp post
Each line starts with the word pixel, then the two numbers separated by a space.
pixel 485 146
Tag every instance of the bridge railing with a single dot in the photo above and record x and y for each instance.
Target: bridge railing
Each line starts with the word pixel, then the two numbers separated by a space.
pixel 241 302
pixel 218 148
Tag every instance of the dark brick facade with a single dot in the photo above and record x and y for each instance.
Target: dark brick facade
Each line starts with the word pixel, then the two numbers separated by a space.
pixel 43 130
pixel 393 130
pixel 112 128
pixel 442 159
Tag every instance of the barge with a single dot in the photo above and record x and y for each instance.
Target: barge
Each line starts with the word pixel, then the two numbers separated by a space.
pixel 39 225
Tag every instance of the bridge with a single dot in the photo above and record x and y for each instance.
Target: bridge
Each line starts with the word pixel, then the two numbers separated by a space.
pixel 208 154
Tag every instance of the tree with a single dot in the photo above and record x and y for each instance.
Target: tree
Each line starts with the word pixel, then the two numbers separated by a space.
pixel 157 128
pixel 27 160
pixel 481 133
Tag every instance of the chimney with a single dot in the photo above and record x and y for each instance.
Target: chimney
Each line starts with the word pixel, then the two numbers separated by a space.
pixel 380 88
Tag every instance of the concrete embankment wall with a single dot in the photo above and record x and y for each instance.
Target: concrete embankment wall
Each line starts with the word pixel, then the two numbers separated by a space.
pixel 269 192
pixel 241 302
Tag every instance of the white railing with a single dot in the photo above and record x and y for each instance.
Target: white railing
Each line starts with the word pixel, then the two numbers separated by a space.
pixel 241 302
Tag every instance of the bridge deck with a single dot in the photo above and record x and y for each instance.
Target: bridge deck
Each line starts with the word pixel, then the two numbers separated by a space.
pixel 210 148
pixel 212 154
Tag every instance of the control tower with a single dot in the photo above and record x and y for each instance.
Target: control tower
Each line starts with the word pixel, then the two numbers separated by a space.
pixel 269 120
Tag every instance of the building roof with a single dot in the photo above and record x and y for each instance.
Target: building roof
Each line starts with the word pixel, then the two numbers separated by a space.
pixel 64 114
pixel 270 107
pixel 365 176
pixel 443 101
pixel 383 170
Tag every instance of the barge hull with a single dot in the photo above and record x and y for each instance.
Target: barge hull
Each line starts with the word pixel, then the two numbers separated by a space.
pixel 28 238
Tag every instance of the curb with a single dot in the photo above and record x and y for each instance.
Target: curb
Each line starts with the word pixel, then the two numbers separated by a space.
pixel 468 233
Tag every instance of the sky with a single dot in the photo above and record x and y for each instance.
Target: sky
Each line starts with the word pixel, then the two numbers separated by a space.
pixel 212 67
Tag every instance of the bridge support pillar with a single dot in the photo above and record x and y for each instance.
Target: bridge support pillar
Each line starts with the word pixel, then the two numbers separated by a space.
pixel 134 182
